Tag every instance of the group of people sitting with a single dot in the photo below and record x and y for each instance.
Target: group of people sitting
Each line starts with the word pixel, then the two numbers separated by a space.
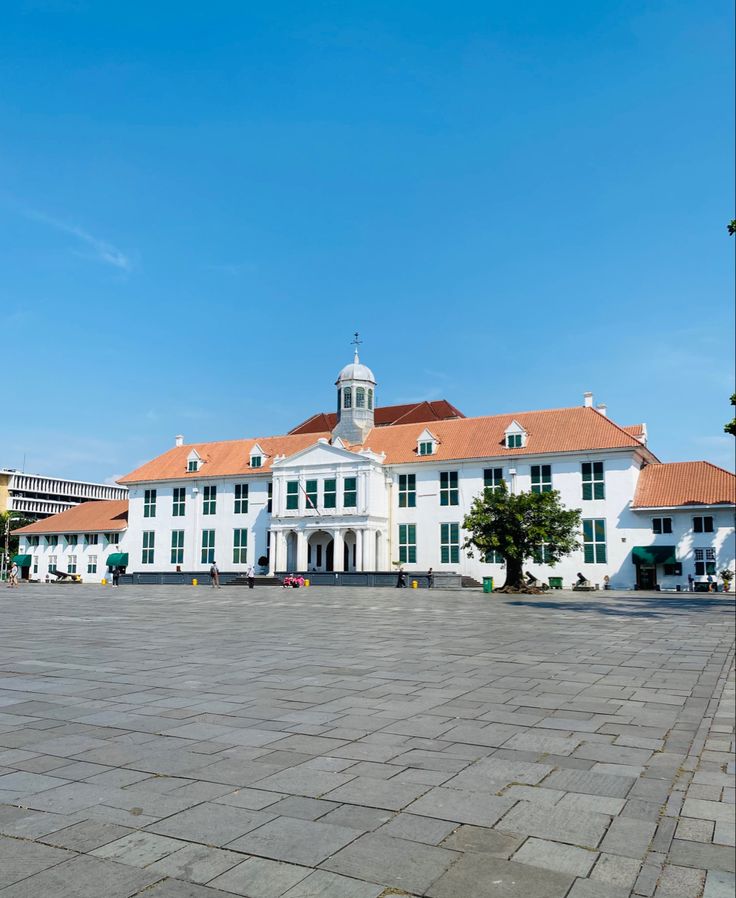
pixel 295 581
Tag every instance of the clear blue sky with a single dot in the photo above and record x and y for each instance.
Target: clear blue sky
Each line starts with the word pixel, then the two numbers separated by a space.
pixel 512 202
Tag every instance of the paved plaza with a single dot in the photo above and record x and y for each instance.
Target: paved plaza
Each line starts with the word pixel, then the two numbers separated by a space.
pixel 355 743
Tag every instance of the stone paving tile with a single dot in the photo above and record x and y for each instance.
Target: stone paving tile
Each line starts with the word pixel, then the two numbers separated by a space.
pixel 211 824
pixel 678 881
pixel 196 863
pixel 461 806
pixel 392 862
pixel 322 884
pixel 556 856
pixel 86 835
pixel 418 829
pixel 139 849
pixel 482 840
pixel 616 870
pixel 19 859
pixel 83 877
pixel 628 837
pixel 300 841
pixel 574 827
pixel 258 877
pixel 719 885
pixel 372 793
pixel 489 877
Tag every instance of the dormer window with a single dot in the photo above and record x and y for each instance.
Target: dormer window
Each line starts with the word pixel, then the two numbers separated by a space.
pixel 515 436
pixel 194 462
pixel 427 443
pixel 256 456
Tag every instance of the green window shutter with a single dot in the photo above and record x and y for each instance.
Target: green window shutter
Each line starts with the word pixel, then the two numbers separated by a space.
pixel 588 553
pixel 292 495
pixel 311 494
pixel 350 495
pixel 330 493
pixel 599 491
pixel 587 491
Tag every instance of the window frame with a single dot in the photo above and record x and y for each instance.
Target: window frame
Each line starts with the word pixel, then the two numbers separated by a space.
pixel 593 475
pixel 514 441
pixel 426 447
pixel 208 546
pixel 350 494
pixel 149 503
pixel 240 545
pixel 493 479
pixel 311 494
pixel 407 543
pixel 664 523
pixel 256 461
pixel 292 495
pixel 209 499
pixel 179 502
pixel 91 539
pixel 177 547
pixel 148 547
pixel 329 496
pixel 543 475
pixel 407 490
pixel 71 564
pixel 240 502
pixel 706 525
pixel 450 542
pixel 91 564
pixel 449 489
pixel 591 527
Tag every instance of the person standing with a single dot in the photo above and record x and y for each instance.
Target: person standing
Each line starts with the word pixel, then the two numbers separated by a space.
pixel 430 579
pixel 116 576
pixel 401 581
pixel 251 575
pixel 13 575
pixel 690 581
pixel 215 576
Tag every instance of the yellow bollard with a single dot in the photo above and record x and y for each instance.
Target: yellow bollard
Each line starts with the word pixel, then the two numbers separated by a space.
pixel 103 581
pixel 414 584
pixel 306 582
pixel 195 582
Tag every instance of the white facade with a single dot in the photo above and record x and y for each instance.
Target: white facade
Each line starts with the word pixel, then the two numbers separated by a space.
pixel 84 554
pixel 39 496
pixel 332 505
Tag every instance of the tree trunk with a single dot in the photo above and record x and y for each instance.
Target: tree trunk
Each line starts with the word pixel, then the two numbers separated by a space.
pixel 514 574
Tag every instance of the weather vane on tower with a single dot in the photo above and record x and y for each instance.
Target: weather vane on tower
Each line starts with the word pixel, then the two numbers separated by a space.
pixel 356 342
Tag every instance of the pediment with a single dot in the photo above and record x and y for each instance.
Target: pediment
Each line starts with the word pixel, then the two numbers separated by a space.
pixel 320 453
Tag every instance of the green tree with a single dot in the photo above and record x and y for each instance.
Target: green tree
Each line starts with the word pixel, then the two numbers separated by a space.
pixel 732 227
pixel 11 521
pixel 731 426
pixel 515 525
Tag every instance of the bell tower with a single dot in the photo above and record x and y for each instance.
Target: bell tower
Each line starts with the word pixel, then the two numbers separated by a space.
pixel 356 400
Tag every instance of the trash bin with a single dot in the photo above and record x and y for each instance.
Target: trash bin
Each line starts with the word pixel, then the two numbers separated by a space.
pixel 488 584
pixel 555 582
pixel 195 581
pixel 306 582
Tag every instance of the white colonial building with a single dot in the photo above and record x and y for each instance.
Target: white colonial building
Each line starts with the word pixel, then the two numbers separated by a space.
pixel 369 487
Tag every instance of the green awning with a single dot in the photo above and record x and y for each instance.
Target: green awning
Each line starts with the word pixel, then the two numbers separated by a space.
pixel 117 559
pixel 22 560
pixel 653 555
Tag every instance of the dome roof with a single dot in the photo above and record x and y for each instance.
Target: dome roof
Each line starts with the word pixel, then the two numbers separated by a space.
pixel 356 371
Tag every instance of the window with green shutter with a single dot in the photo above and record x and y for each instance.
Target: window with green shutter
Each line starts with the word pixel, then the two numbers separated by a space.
pixel 408 543
pixel 350 492
pixel 240 546
pixel 209 505
pixel 450 543
pixel 594 540
pixel 310 489
pixel 71 564
pixel 493 479
pixel 177 547
pixel 541 478
pixel 292 495
pixel 149 539
pixel 513 440
pixel 330 493
pixel 449 493
pixel 407 490
pixel 541 554
pixel 192 465
pixel 241 498
pixel 179 502
pixel 426 447
pixel 208 547
pixel 149 504
pixel 493 557
pixel 256 461
pixel 72 539
pixel 594 486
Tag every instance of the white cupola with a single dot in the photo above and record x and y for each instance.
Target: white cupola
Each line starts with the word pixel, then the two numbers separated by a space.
pixel 356 399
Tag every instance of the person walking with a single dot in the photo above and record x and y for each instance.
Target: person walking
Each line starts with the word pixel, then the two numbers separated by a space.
pixel 215 576
pixel 13 575
pixel 690 581
pixel 401 581
pixel 251 575
pixel 430 579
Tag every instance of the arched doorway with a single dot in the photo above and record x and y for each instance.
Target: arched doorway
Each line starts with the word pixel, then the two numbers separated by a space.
pixel 320 552
pixel 349 557
pixel 291 551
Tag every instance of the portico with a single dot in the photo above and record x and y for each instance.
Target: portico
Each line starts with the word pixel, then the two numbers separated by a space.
pixel 317 546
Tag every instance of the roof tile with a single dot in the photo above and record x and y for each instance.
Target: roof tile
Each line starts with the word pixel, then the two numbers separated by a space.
pixel 92 517
pixel 684 483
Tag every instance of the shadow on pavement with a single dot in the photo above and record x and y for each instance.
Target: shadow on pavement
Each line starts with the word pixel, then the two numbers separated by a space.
pixel 634 607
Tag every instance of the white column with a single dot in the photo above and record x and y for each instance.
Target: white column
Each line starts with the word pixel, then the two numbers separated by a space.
pixel 301 550
pixel 369 541
pixel 359 550
pixel 280 551
pixel 362 492
pixel 337 550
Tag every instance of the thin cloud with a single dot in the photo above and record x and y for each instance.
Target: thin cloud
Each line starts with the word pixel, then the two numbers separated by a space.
pixel 102 250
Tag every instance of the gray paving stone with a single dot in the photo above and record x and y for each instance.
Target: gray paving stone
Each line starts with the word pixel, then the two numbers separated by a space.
pixel 589 888
pixel 356 817
pixel 702 856
pixel 573 827
pixel 719 884
pixel 392 862
pixel 299 841
pixel 616 870
pixel 322 884
pixel 628 837
pixel 678 881
pixel 19 859
pixel 303 808
pixel 211 824
pixel 461 806
pixel 138 849
pixel 418 829
pixel 258 877
pixel 385 794
pixel 489 877
pixel 482 840
pixel 83 877
pixel 297 781
pixel 197 863
pixel 590 783
pixel 86 835
pixel 556 856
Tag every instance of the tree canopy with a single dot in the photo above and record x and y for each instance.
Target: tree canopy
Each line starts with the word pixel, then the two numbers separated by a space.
pixel 517 525
pixel 731 426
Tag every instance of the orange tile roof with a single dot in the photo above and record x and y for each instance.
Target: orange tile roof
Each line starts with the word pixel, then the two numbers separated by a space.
pixel 684 483
pixel 224 458
pixel 636 430
pixel 91 517
pixel 557 430
pixel 387 415
pixel 553 430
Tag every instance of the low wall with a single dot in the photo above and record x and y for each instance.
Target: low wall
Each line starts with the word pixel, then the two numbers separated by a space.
pixel 338 578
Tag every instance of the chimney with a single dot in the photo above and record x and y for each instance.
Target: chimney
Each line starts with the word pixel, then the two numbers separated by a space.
pixel 588 400
pixel 603 409
pixel 179 440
